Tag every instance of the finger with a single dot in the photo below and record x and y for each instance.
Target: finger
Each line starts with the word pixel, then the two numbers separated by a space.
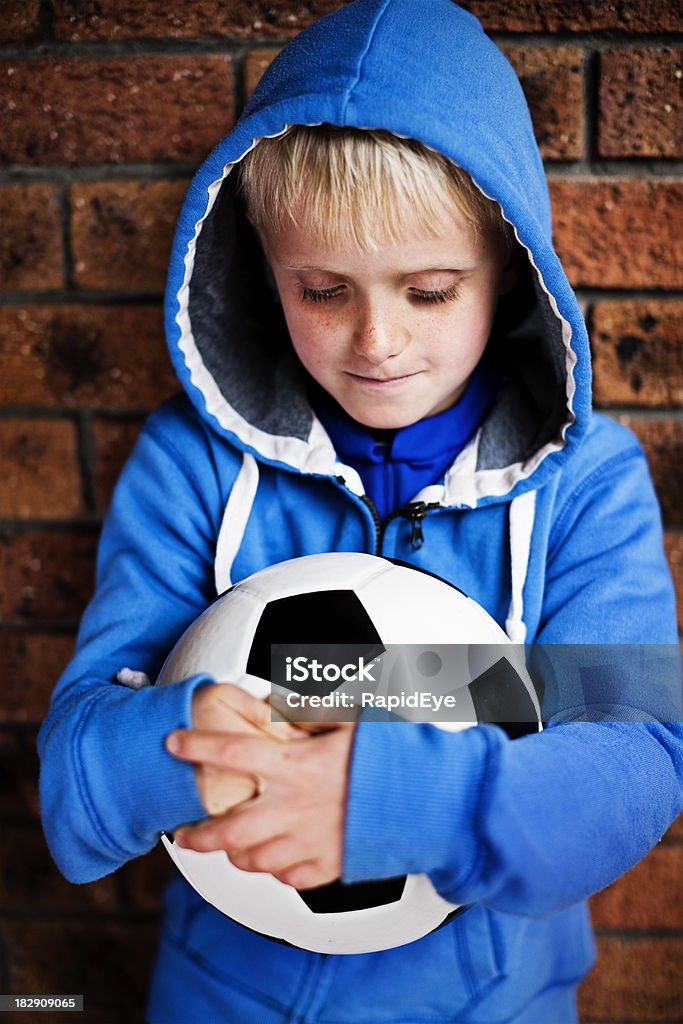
pixel 308 875
pixel 250 755
pixel 251 824
pixel 211 834
pixel 277 856
pixel 228 697
pixel 223 790
pixel 315 727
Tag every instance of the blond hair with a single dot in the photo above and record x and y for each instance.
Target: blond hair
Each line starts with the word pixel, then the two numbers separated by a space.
pixel 355 187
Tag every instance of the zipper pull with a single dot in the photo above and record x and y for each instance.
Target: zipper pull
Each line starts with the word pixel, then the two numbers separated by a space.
pixel 416 515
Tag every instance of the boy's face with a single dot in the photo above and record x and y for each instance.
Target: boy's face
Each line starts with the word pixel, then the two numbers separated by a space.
pixel 394 335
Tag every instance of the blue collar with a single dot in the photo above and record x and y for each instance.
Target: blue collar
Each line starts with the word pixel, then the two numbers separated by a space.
pixel 395 464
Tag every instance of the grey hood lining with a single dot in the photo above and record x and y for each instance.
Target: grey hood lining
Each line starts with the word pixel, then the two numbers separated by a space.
pixel 235 342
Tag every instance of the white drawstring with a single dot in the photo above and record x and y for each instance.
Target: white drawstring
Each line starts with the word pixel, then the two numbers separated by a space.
pixel 522 511
pixel 235 518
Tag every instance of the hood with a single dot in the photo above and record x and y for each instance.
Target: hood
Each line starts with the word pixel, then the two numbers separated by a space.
pixel 427 71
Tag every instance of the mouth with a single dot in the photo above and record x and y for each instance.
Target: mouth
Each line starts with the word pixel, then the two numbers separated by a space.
pixel 381 382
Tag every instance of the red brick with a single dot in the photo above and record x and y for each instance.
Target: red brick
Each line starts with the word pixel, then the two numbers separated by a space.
pixel 634 980
pixel 20 22
pixel 255 64
pixel 637 353
pixel 107 961
pixel 46 575
pixel 156 19
pixel 663 443
pixel 673 545
pixel 619 233
pixel 649 896
pixel 577 15
pixel 114 440
pixel 552 79
pixel 91 110
pixel 84 357
pixel 640 103
pixel 30 880
pixel 122 232
pixel 31 237
pixel 19 774
pixel 32 663
pixel 39 469
pixel 146 878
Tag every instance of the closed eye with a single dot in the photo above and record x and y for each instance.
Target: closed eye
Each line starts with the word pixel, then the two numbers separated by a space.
pixel 319 294
pixel 428 298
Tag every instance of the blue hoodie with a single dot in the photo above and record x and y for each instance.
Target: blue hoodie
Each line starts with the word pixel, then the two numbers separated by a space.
pixel 547 518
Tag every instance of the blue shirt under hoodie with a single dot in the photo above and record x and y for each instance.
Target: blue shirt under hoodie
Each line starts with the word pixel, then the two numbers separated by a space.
pixel 395 465
pixel 547 518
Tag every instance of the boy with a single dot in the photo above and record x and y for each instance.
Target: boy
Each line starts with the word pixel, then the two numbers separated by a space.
pixel 374 363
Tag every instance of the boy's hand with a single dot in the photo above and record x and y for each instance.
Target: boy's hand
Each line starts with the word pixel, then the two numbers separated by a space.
pixel 294 829
pixel 224 708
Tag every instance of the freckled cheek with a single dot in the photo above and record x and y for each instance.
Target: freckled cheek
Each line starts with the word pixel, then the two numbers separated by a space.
pixel 317 340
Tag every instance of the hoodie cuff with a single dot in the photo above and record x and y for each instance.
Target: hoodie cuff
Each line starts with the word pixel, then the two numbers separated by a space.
pixel 413 797
pixel 139 790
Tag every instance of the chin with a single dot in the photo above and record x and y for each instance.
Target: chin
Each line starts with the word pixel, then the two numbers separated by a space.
pixel 387 419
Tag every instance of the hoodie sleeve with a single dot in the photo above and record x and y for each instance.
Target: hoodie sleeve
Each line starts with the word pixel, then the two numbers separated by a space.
pixel 108 787
pixel 532 825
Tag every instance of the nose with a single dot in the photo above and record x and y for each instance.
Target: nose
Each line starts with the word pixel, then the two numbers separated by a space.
pixel 379 334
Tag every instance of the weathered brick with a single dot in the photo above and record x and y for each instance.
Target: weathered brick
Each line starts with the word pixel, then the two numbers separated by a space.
pixel 31 237
pixel 46 575
pixel 146 878
pixel 30 880
pixel 673 545
pixel 640 103
pixel 107 961
pixel 122 232
pixel 618 233
pixel 577 15
pixel 84 356
pixel 552 79
pixel 19 774
pixel 39 469
pixel 663 443
pixel 156 19
pixel 80 110
pixel 20 22
pixel 114 440
pixel 637 353
pixel 31 662
pixel 649 896
pixel 255 64
pixel 634 980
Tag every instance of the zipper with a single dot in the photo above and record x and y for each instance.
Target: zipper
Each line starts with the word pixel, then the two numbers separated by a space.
pixel 413 511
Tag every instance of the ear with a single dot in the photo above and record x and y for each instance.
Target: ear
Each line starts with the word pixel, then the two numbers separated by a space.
pixel 510 273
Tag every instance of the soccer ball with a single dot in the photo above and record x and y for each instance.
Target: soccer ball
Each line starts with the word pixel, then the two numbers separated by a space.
pixel 428 637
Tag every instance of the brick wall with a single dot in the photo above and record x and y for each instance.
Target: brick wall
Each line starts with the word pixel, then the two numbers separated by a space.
pixel 108 107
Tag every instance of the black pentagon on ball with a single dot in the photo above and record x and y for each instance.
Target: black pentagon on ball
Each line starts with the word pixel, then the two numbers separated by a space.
pixel 499 696
pixel 332 617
